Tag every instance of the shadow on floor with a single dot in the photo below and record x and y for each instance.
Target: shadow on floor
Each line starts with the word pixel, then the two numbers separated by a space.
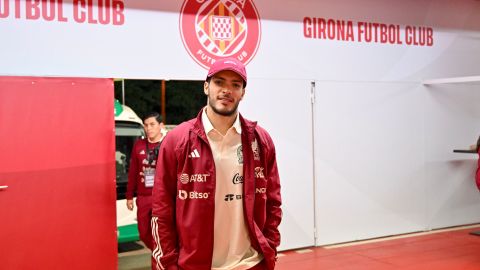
pixel 133 256
pixel 130 246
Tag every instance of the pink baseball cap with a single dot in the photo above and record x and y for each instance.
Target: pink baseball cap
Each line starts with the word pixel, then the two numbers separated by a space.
pixel 228 64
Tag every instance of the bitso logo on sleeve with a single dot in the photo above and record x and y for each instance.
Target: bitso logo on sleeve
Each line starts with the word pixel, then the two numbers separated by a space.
pixel 212 29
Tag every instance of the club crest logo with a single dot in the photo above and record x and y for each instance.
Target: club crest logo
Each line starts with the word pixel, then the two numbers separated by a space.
pixel 213 29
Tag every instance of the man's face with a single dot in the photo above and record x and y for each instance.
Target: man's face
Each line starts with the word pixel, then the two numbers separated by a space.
pixel 152 128
pixel 224 92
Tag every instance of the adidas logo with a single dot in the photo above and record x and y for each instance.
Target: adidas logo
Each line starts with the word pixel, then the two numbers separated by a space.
pixel 194 154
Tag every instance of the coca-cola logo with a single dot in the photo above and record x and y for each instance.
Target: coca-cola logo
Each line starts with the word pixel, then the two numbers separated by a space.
pixel 237 179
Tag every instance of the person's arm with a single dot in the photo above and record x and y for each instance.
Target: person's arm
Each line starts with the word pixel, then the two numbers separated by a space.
pixel 274 200
pixel 165 246
pixel 132 175
pixel 475 146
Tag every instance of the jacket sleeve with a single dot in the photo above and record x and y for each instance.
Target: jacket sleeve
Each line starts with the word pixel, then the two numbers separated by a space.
pixel 274 200
pixel 165 243
pixel 133 172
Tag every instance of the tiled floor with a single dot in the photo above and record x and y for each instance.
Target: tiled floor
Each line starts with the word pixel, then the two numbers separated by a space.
pixel 438 250
pixel 130 257
pixel 451 250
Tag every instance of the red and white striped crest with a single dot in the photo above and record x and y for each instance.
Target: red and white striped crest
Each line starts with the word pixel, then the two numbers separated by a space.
pixel 213 29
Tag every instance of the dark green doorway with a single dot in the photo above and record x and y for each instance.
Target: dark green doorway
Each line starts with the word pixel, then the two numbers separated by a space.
pixel 183 99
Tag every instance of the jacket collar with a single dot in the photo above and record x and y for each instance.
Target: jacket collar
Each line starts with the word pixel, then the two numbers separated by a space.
pixel 207 125
pixel 248 127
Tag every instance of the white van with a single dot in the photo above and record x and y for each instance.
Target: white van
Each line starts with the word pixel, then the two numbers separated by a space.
pixel 128 128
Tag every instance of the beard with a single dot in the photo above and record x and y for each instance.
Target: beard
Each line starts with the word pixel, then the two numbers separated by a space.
pixel 225 111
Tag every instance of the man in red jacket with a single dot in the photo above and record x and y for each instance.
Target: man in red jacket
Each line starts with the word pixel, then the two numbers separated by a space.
pixel 216 200
pixel 141 174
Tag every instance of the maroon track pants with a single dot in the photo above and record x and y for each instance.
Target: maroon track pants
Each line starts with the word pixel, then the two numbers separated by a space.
pixel 144 215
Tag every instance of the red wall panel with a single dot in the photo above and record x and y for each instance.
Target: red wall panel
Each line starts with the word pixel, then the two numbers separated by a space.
pixel 57 158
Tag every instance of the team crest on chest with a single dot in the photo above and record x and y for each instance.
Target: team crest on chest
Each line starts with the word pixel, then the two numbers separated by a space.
pixel 240 155
pixel 255 150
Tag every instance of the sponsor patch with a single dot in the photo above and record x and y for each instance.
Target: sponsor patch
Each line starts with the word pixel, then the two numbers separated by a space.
pixel 231 197
pixel 261 190
pixel 183 195
pixel 259 172
pixel 237 179
pixel 195 178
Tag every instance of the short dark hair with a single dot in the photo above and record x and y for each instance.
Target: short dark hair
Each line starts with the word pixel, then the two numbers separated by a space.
pixel 156 115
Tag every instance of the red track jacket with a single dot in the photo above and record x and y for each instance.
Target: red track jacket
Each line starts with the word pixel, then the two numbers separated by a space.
pixel 137 162
pixel 184 197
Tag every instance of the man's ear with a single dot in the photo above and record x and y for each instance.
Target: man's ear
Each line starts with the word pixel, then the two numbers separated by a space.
pixel 206 88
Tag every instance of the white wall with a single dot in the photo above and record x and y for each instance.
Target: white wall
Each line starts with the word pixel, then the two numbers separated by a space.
pixel 452 121
pixel 369 159
pixel 290 125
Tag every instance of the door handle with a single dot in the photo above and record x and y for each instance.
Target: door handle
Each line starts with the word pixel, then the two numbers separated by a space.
pixel 3 188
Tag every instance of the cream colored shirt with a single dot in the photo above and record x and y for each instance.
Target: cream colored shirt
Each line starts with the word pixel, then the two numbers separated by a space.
pixel 232 249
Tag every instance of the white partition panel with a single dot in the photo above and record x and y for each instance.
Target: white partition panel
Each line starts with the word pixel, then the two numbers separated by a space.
pixel 283 108
pixel 452 122
pixel 369 160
